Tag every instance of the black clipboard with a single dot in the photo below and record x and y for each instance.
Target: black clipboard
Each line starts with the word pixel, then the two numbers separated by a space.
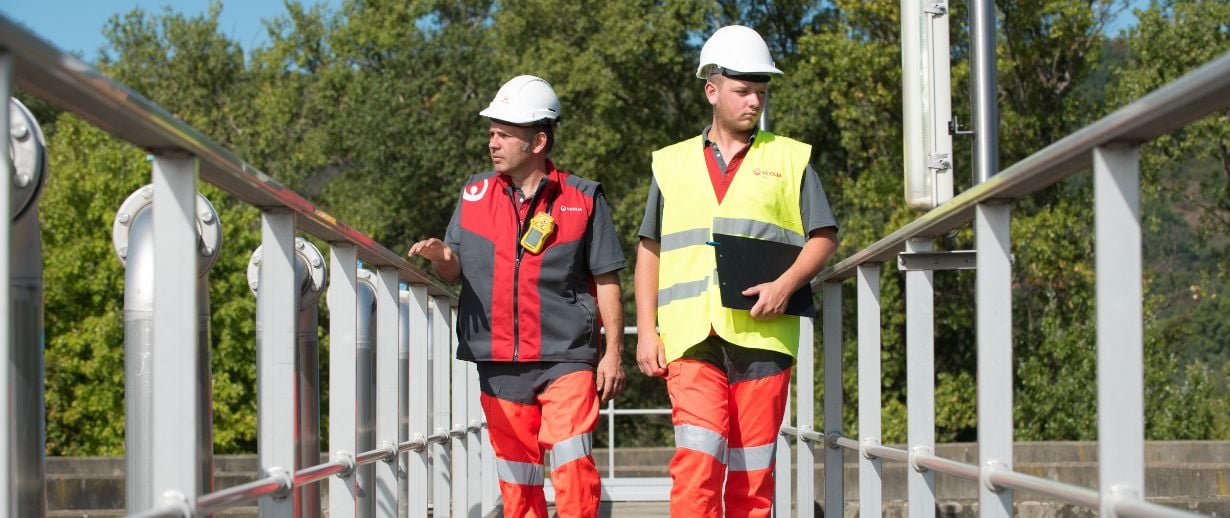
pixel 743 262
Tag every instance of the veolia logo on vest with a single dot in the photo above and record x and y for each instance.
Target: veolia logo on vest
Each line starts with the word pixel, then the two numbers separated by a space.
pixel 474 193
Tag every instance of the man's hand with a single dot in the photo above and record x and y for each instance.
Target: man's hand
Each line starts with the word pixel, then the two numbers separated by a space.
pixel 771 299
pixel 432 249
pixel 650 355
pixel 442 258
pixel 609 377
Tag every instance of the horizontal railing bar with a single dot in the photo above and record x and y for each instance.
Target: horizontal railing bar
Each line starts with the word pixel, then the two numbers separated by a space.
pixel 949 466
pixel 637 411
pixel 319 472
pixel 789 430
pixel 376 455
pixel 811 435
pixel 1145 509
pixel 69 83
pixel 885 452
pixel 243 492
pixel 415 445
pixel 1044 486
pixel 847 443
pixel 1199 93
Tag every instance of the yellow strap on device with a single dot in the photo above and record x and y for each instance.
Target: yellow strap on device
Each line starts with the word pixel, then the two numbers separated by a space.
pixel 541 227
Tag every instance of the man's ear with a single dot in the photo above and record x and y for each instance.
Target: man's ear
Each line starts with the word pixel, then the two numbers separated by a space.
pixel 711 92
pixel 540 142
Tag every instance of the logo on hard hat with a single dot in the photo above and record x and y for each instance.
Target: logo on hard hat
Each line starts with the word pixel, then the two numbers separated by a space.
pixel 474 193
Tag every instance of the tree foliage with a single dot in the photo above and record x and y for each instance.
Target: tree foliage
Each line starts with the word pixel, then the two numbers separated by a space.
pixel 371 111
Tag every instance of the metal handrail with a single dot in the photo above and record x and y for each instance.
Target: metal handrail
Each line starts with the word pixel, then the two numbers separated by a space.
pixel 933 462
pixel 314 474
pixel 74 86
pixel 273 484
pixel 1203 91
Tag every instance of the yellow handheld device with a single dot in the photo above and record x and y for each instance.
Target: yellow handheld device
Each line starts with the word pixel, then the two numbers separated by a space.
pixel 541 227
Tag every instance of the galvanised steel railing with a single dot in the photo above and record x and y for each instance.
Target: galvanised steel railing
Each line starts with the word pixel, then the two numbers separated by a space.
pixel 1111 147
pixel 418 451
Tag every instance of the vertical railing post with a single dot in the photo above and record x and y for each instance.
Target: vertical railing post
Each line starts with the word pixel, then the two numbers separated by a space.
pixel 24 361
pixel 417 467
pixel 342 299
pixel 388 419
pixel 805 416
pixel 175 412
pixel 365 383
pixel 834 474
pixel 307 372
pixel 870 478
pixel 8 475
pixel 920 380
pixel 783 487
pixel 277 304
pixel 441 460
pixel 474 448
pixel 994 333
pixel 1117 258
pixel 403 397
pixel 459 446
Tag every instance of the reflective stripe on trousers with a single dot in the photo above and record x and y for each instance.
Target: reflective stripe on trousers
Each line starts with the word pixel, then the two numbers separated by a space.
pixel 562 420
pixel 725 437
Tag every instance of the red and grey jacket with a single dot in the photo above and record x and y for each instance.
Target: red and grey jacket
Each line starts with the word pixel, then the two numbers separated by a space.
pixel 520 306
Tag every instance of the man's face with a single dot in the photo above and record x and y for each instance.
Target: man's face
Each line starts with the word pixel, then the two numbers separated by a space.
pixel 510 146
pixel 736 103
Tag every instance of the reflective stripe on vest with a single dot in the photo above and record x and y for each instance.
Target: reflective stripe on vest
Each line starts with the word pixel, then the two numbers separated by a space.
pixel 524 473
pixel 752 458
pixel 700 439
pixel 570 449
pixel 762 203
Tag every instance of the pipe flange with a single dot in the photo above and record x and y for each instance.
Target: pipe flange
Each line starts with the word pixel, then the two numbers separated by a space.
pixel 992 466
pixel 310 271
pixel 208 227
pixel 913 457
pixel 28 156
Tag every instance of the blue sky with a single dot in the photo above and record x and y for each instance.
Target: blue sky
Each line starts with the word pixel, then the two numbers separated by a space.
pixel 76 25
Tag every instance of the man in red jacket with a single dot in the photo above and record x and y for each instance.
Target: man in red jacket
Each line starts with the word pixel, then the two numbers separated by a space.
pixel 538 258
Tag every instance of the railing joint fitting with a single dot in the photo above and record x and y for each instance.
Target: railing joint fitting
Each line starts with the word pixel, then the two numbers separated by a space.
pixel 180 502
pixel 390 451
pixel 419 443
pixel 347 460
pixel 475 426
pixel 458 431
pixel 915 453
pixel 992 467
pixel 286 483
pixel 864 448
pixel 830 440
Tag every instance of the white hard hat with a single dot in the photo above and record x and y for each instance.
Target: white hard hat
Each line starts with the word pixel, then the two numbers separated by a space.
pixel 524 100
pixel 738 50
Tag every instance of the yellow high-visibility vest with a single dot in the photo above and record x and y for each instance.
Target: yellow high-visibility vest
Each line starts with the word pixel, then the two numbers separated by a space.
pixel 762 202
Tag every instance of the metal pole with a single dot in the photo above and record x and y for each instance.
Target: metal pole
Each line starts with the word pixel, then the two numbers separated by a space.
pixel 1117 259
pixel 417 468
pixel 277 304
pixel 460 452
pixel 870 477
pixel 782 503
pixel 834 483
pixel 175 415
pixel 805 414
pixel 8 433
pixel 311 273
pixel 920 379
pixel 403 397
pixel 441 459
pixel 25 282
pixel 994 307
pixel 388 419
pixel 983 89
pixel 342 300
pixel 474 446
pixel 366 387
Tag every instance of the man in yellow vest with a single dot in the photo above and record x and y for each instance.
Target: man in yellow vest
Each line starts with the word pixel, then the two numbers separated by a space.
pixel 727 371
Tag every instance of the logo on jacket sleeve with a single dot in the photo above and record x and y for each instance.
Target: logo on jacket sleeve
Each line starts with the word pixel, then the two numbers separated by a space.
pixel 474 193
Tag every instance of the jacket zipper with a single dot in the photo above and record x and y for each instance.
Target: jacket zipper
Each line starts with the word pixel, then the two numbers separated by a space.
pixel 512 197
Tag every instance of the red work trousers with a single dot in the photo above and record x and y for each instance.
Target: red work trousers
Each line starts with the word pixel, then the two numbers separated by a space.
pixel 561 418
pixel 725 438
